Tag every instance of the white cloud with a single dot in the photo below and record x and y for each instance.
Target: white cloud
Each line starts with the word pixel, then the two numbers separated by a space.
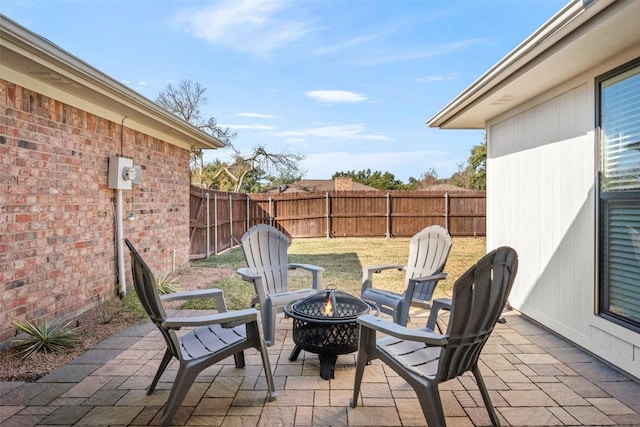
pixel 257 115
pixel 344 45
pixel 336 96
pixel 435 78
pixel 140 86
pixel 350 131
pixel 429 52
pixel 246 25
pixel 251 127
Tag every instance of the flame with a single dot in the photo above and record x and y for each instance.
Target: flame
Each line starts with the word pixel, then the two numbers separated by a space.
pixel 328 306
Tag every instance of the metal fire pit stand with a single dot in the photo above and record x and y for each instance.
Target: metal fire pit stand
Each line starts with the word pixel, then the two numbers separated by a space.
pixel 327 335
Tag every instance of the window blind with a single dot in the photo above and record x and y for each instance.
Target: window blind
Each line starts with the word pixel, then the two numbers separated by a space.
pixel 622 257
pixel 620 196
pixel 620 125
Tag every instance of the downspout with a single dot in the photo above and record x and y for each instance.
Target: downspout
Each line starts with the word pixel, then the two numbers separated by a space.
pixel 120 246
pixel 119 226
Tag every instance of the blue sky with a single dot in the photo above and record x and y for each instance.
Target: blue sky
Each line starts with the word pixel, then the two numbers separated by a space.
pixel 348 84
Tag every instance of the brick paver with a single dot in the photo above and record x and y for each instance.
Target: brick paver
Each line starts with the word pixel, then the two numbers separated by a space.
pixel 534 378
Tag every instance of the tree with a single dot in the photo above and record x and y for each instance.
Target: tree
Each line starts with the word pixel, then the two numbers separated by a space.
pixel 184 100
pixel 478 167
pixel 429 179
pixel 460 178
pixel 377 179
pixel 261 169
pixel 245 172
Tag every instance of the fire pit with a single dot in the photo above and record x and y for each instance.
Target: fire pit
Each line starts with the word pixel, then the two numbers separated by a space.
pixel 325 324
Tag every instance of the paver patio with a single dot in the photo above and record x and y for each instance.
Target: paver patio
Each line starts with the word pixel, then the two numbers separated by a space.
pixel 535 379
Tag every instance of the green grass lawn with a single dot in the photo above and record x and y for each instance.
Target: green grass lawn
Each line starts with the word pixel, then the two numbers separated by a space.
pixel 343 260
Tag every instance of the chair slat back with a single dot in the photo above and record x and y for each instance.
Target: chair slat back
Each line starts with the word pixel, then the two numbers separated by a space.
pixel 265 251
pixel 479 296
pixel 428 253
pixel 144 283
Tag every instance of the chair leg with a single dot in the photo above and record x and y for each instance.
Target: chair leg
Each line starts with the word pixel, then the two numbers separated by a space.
pixel 429 398
pixel 266 365
pixel 184 380
pixel 163 365
pixel 366 343
pixel 485 396
pixel 239 359
pixel 255 340
pixel 268 316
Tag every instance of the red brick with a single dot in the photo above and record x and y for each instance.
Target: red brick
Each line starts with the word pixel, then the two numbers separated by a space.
pixel 58 210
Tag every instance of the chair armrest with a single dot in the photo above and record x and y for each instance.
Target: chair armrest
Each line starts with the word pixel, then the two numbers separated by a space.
pixel 214 293
pixel 370 270
pixel 436 305
pixel 227 320
pixel 316 273
pixel 431 283
pixel 437 276
pixel 402 332
pixel 379 268
pixel 249 275
pixel 309 267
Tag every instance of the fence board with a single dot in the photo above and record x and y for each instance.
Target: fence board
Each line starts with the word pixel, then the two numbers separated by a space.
pixel 331 214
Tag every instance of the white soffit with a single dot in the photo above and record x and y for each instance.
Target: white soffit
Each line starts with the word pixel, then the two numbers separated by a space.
pixel 33 62
pixel 579 37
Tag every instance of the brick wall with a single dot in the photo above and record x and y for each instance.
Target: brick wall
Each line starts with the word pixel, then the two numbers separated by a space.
pixel 57 215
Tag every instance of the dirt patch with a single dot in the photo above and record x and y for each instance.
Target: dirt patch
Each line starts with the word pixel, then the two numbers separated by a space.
pixel 94 325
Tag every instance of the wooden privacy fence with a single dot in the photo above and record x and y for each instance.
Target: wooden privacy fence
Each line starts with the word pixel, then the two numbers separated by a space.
pixel 219 219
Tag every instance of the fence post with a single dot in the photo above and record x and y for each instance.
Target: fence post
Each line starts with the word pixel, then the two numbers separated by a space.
pixel 446 210
pixel 215 221
pixel 231 220
pixel 247 216
pixel 270 210
pixel 328 215
pixel 388 233
pixel 208 249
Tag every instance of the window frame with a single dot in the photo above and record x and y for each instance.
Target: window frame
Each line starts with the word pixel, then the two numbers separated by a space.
pixel 603 198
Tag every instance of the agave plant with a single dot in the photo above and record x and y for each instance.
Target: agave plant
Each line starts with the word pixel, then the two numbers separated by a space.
pixel 167 284
pixel 47 337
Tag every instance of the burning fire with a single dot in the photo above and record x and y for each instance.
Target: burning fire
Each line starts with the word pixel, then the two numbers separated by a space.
pixel 328 306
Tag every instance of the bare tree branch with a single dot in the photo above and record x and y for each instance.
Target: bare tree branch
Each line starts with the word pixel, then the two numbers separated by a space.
pixel 185 99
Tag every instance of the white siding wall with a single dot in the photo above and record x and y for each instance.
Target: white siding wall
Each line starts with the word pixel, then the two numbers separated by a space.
pixel 541 200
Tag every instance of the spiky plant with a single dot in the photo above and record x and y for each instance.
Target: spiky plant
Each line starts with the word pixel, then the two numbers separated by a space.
pixel 167 284
pixel 46 337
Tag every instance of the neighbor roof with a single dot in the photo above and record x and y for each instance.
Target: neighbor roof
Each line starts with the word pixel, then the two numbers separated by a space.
pixel 320 185
pixel 576 39
pixel 37 64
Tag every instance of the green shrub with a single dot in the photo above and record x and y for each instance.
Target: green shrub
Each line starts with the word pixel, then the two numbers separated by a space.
pixel 108 310
pixel 131 303
pixel 47 337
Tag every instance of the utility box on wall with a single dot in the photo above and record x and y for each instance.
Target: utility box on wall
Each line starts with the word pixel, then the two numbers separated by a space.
pixel 121 173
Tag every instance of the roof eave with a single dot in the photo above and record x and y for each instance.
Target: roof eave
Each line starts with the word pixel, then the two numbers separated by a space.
pixel 566 21
pixel 33 58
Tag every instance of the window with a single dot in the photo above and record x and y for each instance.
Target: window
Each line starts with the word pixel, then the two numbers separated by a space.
pixel 618 94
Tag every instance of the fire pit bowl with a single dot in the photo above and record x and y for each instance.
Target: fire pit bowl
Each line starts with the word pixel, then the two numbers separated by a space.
pixel 325 324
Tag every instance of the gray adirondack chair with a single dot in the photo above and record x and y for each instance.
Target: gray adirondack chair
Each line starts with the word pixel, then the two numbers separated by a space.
pixel 213 337
pixel 428 253
pixel 265 251
pixel 424 358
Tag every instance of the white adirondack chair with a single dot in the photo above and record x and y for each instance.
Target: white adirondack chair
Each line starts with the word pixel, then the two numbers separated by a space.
pixel 428 253
pixel 265 251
